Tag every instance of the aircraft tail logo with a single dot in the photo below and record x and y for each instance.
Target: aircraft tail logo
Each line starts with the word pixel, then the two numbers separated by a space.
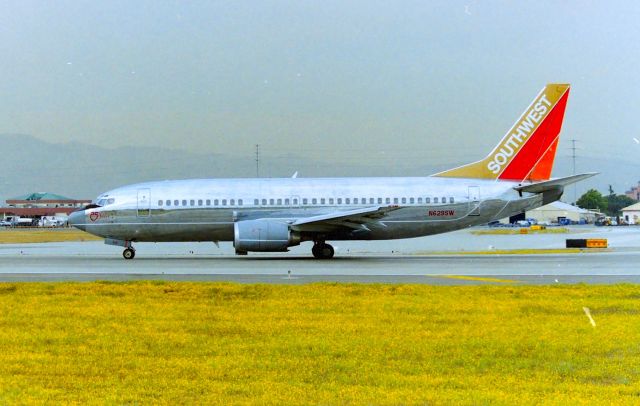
pixel 528 150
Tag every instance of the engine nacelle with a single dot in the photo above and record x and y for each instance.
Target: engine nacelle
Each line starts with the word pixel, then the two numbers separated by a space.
pixel 263 235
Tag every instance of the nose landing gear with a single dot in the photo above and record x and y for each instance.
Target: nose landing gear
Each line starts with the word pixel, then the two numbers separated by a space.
pixel 129 253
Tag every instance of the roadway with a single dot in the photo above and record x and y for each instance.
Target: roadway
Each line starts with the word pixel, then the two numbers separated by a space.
pixel 431 260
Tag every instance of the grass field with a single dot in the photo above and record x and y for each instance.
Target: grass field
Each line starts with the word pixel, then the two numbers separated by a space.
pixel 24 236
pixel 516 251
pixel 186 343
pixel 519 230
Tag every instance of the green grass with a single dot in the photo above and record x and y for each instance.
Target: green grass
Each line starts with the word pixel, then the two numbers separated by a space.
pixel 186 343
pixel 25 236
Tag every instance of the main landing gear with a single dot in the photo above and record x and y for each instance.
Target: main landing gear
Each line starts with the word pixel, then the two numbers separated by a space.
pixel 322 250
pixel 129 253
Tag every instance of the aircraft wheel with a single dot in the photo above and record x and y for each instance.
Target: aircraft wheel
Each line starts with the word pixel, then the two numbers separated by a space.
pixel 129 253
pixel 322 251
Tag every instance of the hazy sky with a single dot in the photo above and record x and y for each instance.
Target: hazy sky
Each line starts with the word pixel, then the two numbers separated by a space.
pixel 438 81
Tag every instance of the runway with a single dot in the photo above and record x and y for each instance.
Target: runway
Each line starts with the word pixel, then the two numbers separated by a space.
pixel 403 261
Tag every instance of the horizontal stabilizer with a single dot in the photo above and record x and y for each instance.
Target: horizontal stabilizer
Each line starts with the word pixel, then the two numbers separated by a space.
pixel 553 184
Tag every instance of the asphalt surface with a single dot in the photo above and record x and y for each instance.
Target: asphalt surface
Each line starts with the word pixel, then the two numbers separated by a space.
pixel 439 260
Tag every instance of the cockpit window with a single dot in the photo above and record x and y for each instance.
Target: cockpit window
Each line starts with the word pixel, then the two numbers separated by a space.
pixel 105 201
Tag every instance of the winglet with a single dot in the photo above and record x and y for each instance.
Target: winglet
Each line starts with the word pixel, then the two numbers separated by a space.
pixel 528 150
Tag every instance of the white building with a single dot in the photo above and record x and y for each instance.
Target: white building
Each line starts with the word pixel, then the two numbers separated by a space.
pixel 631 214
pixel 552 212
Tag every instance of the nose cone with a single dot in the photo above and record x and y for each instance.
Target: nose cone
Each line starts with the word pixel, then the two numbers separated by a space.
pixel 77 219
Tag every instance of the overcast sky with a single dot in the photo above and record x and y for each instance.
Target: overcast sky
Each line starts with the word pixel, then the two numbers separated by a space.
pixel 438 81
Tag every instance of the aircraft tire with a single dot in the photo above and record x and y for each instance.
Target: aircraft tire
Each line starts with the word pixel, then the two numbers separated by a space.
pixel 129 253
pixel 322 251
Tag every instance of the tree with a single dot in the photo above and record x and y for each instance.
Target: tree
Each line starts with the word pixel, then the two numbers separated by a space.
pixel 615 203
pixel 592 200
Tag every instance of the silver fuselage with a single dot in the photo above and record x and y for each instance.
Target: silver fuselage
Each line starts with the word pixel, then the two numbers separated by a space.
pixel 207 209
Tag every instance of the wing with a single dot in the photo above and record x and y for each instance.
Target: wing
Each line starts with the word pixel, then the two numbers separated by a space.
pixel 354 219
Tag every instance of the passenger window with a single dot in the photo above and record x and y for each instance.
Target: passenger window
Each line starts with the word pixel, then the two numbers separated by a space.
pixel 412 200
pixel 346 200
pixel 331 200
pixel 295 202
pixel 287 202
pixel 239 202
pixel 168 202
pixel 404 200
pixel 379 200
pixel 314 201
pixel 388 200
pixel 176 202
pixel 279 202
pixel 435 200
pixel 159 202
pixel 305 201
pixel 355 200
pixel 451 200
pixel 427 200
pixel 216 202
pixel 419 200
pixel 192 202
pixel 444 200
pixel 208 202
pixel 184 202
pixel 339 200
pixel 199 202
pixel 232 202
pixel 322 200
pixel 224 202
pixel 272 202
pixel 256 202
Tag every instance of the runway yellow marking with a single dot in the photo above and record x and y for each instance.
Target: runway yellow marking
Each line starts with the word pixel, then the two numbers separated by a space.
pixel 588 313
pixel 519 251
pixel 474 278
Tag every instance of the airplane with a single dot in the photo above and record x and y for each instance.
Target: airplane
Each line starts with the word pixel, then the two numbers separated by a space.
pixel 271 215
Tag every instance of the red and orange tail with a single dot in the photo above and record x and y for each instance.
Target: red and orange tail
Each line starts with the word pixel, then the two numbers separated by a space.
pixel 528 150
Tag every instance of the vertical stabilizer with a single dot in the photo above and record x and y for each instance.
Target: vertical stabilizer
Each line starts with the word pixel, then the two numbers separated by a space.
pixel 528 150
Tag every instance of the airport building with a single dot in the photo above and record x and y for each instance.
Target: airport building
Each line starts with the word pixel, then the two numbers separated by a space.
pixel 554 212
pixel 634 192
pixel 35 208
pixel 631 214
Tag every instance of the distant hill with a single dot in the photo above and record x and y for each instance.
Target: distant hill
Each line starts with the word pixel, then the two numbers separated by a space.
pixel 80 170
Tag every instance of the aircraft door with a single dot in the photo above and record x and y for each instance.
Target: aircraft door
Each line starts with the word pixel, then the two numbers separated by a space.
pixel 144 202
pixel 474 200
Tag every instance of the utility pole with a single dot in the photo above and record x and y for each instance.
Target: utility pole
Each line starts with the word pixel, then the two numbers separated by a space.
pixel 573 155
pixel 258 161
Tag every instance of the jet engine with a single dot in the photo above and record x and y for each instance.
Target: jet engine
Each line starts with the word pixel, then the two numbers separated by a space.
pixel 264 236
